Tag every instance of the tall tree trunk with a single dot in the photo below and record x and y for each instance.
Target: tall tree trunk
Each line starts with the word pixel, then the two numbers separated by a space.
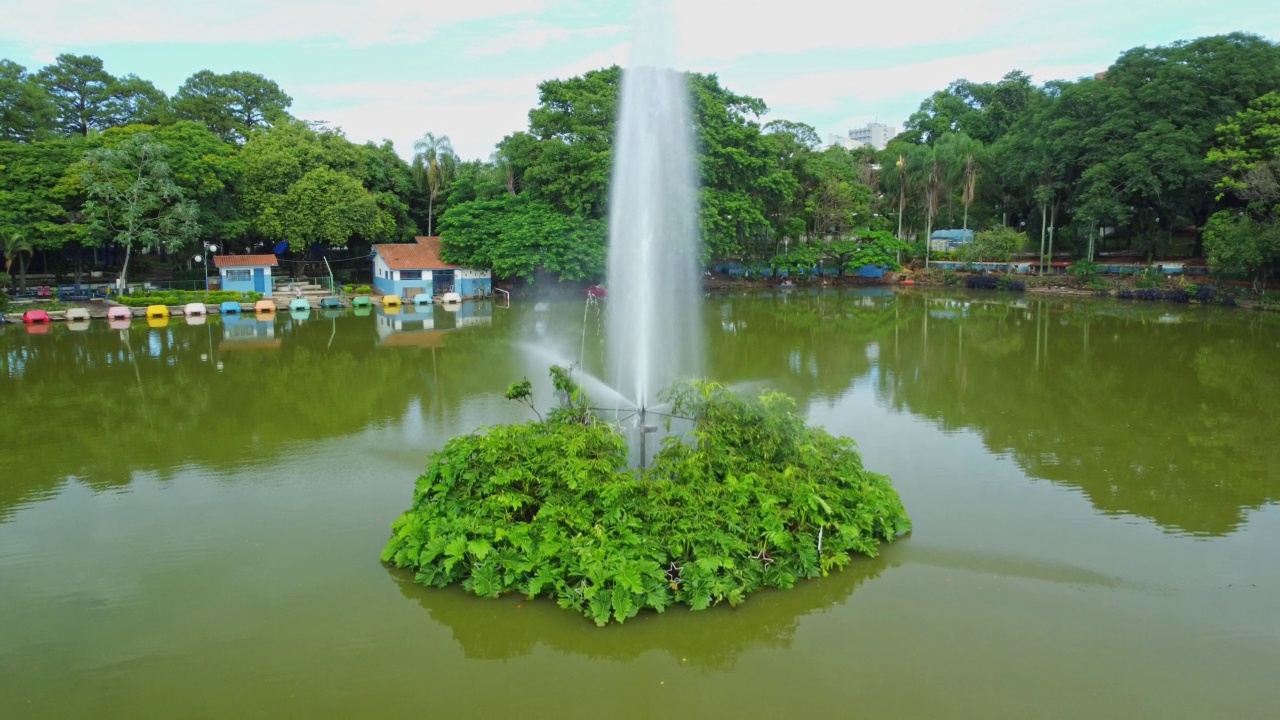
pixel 965 228
pixel 1044 225
pixel 124 269
pixel 928 238
pixel 902 201
pixel 1053 220
pixel 22 271
pixel 431 201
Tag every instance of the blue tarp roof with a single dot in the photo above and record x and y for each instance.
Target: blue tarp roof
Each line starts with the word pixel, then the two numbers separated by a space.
pixel 963 235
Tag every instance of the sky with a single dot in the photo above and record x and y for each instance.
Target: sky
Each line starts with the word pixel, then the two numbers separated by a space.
pixel 469 69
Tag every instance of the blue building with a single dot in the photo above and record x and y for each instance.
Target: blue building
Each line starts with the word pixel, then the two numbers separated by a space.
pixel 410 269
pixel 246 273
pixel 950 240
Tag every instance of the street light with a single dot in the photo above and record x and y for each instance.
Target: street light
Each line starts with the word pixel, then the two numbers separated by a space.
pixel 208 248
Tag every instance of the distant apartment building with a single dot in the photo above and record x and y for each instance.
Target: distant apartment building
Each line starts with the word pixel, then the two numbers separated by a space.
pixel 875 134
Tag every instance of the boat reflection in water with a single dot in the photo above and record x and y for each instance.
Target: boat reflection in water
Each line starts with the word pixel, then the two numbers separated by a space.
pixel 246 333
pixel 426 325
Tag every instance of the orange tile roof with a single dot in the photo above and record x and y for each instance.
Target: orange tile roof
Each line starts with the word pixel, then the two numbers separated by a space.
pixel 223 261
pixel 422 255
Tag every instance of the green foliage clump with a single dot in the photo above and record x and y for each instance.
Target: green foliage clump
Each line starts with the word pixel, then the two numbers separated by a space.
pixel 362 290
pixel 797 260
pixel 752 498
pixel 1084 271
pixel 182 297
pixel 516 236
pixel 998 244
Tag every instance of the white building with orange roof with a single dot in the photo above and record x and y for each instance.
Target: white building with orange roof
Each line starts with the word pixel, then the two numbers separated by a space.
pixel 409 269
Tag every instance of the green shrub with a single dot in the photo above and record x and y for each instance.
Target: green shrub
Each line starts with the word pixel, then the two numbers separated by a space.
pixel 363 290
pixel 1084 271
pixel 998 244
pixel 754 498
pixel 348 289
pixel 1150 278
pixel 182 297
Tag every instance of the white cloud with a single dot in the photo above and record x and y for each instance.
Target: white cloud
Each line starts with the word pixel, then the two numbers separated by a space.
pixel 476 113
pixel 723 29
pixel 473 126
pixel 529 36
pixel 832 89
pixel 68 23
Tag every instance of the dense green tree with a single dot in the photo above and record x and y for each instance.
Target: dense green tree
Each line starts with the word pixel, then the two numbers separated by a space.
pixel 573 124
pixel 37 199
pixel 739 180
pixel 231 104
pixel 133 199
pixel 390 180
pixel 1246 237
pixel 82 94
pixel 137 101
pixel 983 111
pixel 999 244
pixel 325 206
pixel 276 159
pixel 1239 242
pixel 517 236
pixel 1247 150
pixel 26 111
pixel 205 168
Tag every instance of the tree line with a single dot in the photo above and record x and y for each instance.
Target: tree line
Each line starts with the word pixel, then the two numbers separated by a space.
pixel 95 169
pixel 1170 150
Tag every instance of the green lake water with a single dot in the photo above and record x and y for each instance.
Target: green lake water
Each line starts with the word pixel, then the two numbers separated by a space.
pixel 191 516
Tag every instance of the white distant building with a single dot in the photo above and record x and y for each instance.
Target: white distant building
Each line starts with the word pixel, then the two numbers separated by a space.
pixel 875 134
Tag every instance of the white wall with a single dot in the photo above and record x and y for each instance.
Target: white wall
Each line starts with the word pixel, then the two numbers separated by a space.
pixel 467 274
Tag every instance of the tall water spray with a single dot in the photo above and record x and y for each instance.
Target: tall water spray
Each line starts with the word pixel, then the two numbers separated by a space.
pixel 654 294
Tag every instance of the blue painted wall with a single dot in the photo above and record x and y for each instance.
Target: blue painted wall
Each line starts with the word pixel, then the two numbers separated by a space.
pixel 386 286
pixel 472 288
pixel 247 285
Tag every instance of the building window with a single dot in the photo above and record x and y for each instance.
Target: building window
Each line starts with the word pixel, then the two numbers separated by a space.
pixel 410 274
pixel 239 275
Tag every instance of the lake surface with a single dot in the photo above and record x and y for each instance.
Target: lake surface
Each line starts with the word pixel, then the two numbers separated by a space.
pixel 191 516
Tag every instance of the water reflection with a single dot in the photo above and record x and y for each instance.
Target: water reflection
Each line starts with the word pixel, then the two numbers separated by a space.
pixel 1168 421
pixel 99 406
pixel 712 639
pixel 1152 411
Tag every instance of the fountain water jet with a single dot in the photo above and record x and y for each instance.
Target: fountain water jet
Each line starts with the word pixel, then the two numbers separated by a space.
pixel 654 295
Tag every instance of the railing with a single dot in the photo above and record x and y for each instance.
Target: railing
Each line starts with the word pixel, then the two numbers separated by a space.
pixel 284 282
pixel 504 292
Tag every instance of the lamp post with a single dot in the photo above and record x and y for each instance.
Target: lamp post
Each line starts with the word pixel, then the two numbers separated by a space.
pixel 208 248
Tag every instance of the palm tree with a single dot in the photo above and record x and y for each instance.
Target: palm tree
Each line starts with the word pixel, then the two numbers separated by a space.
pixel 14 246
pixel 970 184
pixel 961 156
pixel 927 164
pixel 505 169
pixel 902 191
pixel 434 164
